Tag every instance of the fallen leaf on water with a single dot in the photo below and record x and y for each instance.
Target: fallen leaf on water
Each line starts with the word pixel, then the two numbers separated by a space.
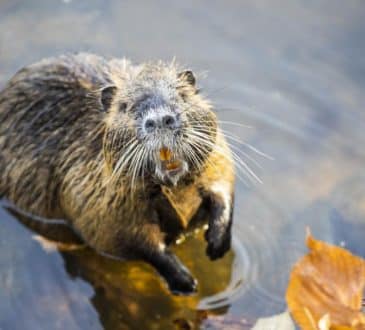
pixel 325 322
pixel 325 288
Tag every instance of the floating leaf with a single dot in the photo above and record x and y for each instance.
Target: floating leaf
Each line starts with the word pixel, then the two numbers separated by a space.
pixel 325 288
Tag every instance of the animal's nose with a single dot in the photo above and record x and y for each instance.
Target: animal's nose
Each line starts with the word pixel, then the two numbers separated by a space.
pixel 166 121
pixel 150 125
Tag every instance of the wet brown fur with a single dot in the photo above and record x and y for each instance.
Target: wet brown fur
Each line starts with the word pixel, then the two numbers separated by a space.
pixel 57 155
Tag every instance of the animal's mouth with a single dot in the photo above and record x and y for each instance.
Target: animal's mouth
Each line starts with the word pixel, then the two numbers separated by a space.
pixel 170 167
pixel 168 161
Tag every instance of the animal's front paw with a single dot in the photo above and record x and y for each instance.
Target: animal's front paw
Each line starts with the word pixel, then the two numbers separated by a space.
pixel 218 237
pixel 182 283
pixel 177 276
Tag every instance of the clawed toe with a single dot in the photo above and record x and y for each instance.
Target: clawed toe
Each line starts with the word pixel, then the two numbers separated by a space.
pixel 184 284
pixel 218 244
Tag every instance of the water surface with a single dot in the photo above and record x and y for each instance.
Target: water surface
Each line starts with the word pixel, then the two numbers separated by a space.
pixel 293 71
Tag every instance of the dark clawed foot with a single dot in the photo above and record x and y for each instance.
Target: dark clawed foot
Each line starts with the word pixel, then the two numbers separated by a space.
pixel 219 242
pixel 182 283
pixel 177 276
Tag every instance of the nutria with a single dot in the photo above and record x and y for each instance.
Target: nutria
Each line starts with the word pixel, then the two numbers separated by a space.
pixel 119 151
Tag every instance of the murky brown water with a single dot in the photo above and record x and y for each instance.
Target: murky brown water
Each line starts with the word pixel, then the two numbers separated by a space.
pixel 294 71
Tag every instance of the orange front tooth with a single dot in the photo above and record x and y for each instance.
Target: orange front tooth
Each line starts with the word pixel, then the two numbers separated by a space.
pixel 173 165
pixel 165 154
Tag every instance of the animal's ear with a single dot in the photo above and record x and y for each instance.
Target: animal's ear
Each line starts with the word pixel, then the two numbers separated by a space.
pixel 188 76
pixel 107 95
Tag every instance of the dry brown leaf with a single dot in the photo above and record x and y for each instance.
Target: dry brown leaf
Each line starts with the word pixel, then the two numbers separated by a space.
pixel 325 288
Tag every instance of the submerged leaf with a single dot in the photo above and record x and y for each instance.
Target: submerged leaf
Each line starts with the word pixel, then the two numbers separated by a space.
pixel 325 288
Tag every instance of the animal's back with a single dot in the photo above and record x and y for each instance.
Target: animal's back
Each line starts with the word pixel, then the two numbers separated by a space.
pixel 49 121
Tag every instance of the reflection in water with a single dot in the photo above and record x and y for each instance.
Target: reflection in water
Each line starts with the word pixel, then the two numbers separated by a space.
pixel 130 294
pixel 294 73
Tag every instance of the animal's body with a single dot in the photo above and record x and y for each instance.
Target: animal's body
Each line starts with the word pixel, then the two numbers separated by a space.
pixel 118 151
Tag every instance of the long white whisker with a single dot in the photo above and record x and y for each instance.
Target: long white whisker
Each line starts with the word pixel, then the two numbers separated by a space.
pixel 232 146
pixel 202 139
pixel 141 166
pixel 237 139
pixel 136 163
pixel 127 154
pixel 214 166
pixel 225 122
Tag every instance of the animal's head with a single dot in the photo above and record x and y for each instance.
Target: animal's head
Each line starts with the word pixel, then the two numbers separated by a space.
pixel 158 124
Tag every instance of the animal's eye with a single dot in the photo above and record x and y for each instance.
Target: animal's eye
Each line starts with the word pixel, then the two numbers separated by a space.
pixel 123 107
